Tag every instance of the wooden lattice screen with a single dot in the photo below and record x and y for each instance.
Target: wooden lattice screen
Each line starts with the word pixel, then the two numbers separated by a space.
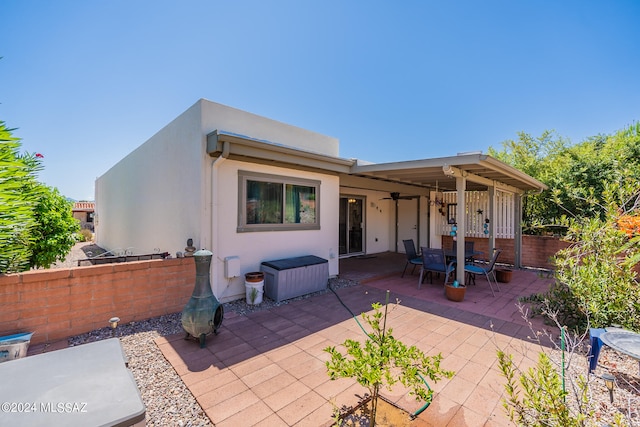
pixel 477 211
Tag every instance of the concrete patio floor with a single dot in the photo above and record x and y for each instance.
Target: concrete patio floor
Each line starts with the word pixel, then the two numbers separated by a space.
pixel 268 368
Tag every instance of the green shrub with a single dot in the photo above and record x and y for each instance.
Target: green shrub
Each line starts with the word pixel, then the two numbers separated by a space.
pixel 555 392
pixel 17 201
pixel 596 284
pixel 538 397
pixel 560 300
pixel 84 235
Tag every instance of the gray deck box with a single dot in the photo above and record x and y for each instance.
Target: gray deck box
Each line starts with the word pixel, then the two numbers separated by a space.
pixel 293 277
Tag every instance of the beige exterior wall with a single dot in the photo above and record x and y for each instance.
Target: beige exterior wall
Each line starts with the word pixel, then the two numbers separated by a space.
pixel 377 217
pixel 152 198
pixel 169 189
pixel 252 248
pixel 221 117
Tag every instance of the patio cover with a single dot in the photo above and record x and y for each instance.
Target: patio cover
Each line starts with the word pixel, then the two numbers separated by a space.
pixel 481 171
pixel 464 172
pixel 460 173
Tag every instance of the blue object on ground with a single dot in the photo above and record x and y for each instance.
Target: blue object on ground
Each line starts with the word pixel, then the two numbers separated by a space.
pixel 596 345
pixel 14 346
pixel 22 336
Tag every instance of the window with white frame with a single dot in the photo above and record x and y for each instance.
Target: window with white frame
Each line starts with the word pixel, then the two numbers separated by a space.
pixel 273 202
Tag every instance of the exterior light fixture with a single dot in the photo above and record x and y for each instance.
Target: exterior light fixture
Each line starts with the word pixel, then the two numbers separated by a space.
pixel 448 170
pixel 609 382
pixel 113 322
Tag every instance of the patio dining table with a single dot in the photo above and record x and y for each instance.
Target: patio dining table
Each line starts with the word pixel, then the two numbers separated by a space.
pixel 452 255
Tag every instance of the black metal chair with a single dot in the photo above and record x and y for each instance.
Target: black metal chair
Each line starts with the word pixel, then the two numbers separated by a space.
pixel 433 260
pixel 488 269
pixel 412 257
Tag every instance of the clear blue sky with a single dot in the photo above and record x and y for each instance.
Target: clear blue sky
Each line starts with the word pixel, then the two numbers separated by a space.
pixel 86 82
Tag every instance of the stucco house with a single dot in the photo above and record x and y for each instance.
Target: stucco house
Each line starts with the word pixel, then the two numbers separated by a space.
pixel 251 189
pixel 84 212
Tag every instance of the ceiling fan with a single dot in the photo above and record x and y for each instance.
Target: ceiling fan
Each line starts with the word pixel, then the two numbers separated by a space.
pixel 396 196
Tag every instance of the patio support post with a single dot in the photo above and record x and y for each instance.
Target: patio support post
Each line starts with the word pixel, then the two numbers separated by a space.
pixel 461 220
pixel 492 219
pixel 517 238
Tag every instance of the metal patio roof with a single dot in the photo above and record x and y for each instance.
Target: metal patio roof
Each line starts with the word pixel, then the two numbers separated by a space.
pixel 480 170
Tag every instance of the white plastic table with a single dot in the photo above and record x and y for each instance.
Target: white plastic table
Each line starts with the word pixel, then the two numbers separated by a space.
pixel 87 385
pixel 626 342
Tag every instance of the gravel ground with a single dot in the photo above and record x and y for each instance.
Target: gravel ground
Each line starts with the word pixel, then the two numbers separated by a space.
pixel 80 250
pixel 625 369
pixel 167 400
pixel 170 403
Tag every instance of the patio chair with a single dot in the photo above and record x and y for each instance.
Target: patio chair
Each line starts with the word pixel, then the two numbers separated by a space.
pixel 433 260
pixel 412 257
pixel 486 268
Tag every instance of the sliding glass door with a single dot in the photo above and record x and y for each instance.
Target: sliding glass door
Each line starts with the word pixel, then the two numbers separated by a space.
pixel 351 225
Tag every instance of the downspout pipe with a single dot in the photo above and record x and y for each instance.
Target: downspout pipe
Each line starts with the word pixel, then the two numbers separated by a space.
pixel 213 224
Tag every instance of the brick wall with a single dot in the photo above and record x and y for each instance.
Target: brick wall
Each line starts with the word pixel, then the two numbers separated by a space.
pixel 536 250
pixel 59 303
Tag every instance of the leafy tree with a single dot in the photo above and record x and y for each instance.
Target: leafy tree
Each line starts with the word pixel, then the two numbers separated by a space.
pixel 540 158
pixel 36 222
pixel 576 175
pixel 54 233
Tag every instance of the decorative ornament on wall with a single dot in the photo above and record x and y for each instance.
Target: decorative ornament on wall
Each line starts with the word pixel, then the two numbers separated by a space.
pixel 438 201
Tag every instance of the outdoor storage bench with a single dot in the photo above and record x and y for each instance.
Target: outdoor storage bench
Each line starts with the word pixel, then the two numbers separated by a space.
pixel 293 277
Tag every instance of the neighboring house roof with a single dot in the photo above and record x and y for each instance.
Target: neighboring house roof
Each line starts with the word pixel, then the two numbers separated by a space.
pixel 84 206
pixel 480 170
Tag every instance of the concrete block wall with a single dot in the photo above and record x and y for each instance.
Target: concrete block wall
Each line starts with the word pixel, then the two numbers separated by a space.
pixel 59 303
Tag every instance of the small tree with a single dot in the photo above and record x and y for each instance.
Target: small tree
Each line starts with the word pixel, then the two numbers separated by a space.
pixel 55 229
pixel 384 361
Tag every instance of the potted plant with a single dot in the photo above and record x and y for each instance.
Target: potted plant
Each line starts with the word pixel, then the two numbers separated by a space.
pixel 503 275
pixel 455 291
pixel 254 286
